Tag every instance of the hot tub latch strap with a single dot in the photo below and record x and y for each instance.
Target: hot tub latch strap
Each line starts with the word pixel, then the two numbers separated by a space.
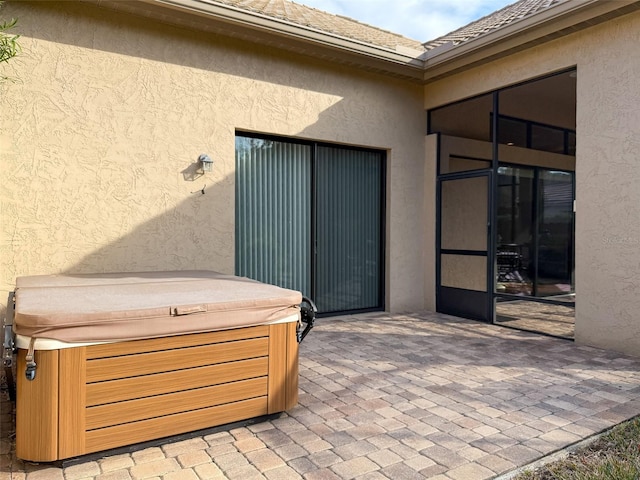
pixel 30 372
pixel 9 346
pixel 308 312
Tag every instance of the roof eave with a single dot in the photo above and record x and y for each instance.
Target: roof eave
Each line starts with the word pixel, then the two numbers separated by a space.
pixel 546 25
pixel 400 62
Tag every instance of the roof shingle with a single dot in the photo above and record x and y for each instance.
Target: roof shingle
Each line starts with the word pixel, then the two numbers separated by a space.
pixel 296 13
pixel 326 22
pixel 494 21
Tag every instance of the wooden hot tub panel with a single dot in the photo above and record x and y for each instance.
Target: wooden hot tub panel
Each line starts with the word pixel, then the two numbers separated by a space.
pixel 88 399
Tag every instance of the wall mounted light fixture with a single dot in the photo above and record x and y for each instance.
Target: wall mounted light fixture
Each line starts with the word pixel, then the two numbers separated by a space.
pixel 205 162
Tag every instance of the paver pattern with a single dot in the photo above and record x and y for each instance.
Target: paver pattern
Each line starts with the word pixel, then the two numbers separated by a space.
pixel 398 397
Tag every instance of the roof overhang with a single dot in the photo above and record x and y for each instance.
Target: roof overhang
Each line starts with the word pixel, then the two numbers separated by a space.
pixel 279 33
pixel 548 24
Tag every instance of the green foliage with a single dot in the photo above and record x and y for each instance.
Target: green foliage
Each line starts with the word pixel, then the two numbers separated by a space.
pixel 9 46
pixel 8 43
pixel 615 456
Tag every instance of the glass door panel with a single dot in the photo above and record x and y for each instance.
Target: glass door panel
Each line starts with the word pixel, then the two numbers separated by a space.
pixel 534 253
pixel 516 232
pixel 273 212
pixel 555 227
pixel 348 225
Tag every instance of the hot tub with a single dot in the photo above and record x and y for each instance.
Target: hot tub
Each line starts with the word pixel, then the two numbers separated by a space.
pixel 127 358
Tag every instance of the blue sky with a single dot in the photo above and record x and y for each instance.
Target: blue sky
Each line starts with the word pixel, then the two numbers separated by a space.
pixel 421 20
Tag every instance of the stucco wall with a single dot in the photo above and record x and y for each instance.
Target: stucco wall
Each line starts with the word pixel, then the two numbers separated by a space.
pixel 607 166
pixel 102 128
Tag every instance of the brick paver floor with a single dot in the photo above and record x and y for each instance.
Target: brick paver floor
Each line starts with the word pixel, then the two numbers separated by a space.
pixel 398 397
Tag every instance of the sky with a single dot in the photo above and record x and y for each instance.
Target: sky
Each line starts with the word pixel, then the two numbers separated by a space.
pixel 421 20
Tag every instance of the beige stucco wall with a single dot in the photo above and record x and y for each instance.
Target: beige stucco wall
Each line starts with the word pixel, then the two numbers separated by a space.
pixel 607 166
pixel 100 132
pixel 428 226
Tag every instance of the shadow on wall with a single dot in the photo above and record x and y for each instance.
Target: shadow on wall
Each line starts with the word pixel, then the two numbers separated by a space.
pixel 189 224
pixel 196 233
pixel 87 26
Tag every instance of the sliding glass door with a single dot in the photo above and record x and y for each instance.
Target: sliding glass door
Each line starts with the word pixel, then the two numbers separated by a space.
pixel 273 212
pixel 310 217
pixel 535 231
pixel 555 233
pixel 348 234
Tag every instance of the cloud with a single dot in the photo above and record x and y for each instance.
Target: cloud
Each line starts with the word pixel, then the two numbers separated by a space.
pixel 421 20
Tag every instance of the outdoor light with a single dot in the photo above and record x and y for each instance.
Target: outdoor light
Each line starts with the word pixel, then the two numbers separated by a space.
pixel 205 162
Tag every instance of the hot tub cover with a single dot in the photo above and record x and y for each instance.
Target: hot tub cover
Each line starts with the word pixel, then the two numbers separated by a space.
pixel 130 306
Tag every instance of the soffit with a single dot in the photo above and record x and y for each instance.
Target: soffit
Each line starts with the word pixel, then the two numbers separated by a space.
pixel 292 27
pixel 505 34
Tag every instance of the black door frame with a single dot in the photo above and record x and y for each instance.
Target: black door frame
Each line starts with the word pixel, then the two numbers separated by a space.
pixel 493 201
pixel 450 300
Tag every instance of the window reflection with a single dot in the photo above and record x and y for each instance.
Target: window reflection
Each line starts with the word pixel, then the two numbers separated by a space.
pixel 535 231
pixel 537 136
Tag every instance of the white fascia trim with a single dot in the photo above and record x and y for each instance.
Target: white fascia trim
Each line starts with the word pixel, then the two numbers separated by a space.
pixel 256 20
pixel 449 52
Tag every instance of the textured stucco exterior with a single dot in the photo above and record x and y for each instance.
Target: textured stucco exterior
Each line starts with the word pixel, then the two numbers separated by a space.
pixel 607 166
pixel 101 131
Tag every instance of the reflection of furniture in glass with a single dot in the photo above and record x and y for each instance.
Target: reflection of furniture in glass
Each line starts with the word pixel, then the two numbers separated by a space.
pixel 512 270
pixel 535 230
pixel 509 260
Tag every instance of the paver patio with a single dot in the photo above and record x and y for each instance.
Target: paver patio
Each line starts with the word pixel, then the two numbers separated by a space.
pixel 400 397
